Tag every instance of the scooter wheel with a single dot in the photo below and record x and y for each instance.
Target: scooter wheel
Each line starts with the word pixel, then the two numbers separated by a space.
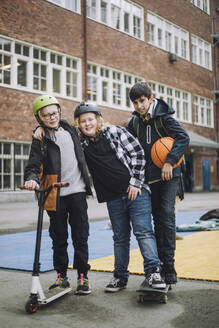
pixel 31 306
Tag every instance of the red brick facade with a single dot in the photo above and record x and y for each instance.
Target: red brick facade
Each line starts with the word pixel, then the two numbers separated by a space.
pixel 44 24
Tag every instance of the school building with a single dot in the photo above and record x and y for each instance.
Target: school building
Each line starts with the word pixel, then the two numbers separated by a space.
pixel 96 50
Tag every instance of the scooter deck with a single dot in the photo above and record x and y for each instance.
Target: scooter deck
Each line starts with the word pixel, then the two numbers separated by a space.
pixel 152 294
pixel 51 295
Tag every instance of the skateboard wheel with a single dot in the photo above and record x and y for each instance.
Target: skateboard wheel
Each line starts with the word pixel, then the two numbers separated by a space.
pixel 164 299
pixel 140 298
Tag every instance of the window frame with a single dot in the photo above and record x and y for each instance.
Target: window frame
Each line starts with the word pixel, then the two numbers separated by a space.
pixel 168 32
pixel 12 157
pixel 179 103
pixel 44 59
pixel 124 7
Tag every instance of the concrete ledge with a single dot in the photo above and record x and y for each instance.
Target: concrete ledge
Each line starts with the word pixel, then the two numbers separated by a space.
pixel 17 196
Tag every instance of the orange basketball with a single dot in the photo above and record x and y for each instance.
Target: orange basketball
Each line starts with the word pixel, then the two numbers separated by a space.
pixel 160 150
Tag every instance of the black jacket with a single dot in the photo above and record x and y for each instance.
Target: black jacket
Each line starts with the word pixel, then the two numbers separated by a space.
pixel 44 165
pixel 148 135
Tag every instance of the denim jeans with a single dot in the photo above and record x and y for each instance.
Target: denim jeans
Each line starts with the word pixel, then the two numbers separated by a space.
pixel 124 213
pixel 163 197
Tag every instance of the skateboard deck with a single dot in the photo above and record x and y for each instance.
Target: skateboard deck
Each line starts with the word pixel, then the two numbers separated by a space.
pixel 146 293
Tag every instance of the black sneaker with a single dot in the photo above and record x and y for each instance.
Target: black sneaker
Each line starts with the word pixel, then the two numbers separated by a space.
pixel 115 285
pixel 155 280
pixel 61 282
pixel 83 286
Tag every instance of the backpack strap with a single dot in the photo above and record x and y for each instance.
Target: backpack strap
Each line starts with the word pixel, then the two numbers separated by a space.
pixel 136 125
pixel 159 127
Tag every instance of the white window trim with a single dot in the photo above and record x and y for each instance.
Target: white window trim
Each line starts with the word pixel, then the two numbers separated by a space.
pixel 199 123
pixel 63 5
pixel 122 3
pixel 30 60
pixel 165 95
pixel 12 158
pixel 110 81
pixel 195 41
pixel 201 7
pixel 175 31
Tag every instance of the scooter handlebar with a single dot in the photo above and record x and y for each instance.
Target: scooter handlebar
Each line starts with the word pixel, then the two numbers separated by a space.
pixel 60 184
pixel 53 185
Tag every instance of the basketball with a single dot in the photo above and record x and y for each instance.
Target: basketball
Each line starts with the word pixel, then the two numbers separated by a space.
pixel 160 150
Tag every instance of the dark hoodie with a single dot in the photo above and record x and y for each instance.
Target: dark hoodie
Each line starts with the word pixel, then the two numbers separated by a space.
pixel 147 136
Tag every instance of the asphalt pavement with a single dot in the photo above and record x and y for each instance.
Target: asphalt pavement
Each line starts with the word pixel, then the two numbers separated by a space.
pixel 191 304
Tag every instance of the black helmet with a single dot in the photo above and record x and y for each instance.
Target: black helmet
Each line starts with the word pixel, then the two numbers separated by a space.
pixel 85 107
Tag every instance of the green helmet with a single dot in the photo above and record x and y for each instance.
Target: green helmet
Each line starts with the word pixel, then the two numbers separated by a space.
pixel 43 101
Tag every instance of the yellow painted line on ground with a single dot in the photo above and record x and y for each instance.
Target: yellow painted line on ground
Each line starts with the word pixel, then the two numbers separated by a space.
pixel 197 257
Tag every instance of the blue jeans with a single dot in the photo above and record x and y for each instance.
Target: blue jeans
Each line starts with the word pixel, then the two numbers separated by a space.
pixel 124 212
pixel 163 198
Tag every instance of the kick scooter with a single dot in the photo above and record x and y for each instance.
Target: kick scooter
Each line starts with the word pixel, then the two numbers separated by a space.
pixel 37 295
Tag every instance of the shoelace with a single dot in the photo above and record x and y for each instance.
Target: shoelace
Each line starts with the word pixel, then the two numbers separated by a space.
pixel 59 278
pixel 155 276
pixel 82 279
pixel 114 281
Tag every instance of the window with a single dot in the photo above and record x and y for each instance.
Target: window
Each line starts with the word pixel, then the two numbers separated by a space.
pixel 202 4
pixel 115 14
pixel 126 22
pixel 5 69
pixel 91 8
pixel 151 37
pixel 109 87
pixel 103 11
pixel 92 83
pixel 13 159
pixel 203 111
pixel 34 69
pixel 121 15
pixel 71 78
pixel 73 5
pixel 22 73
pixel 178 99
pixel 167 36
pixel 201 52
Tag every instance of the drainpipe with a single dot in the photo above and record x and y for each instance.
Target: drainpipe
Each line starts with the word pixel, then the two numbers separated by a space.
pixel 84 8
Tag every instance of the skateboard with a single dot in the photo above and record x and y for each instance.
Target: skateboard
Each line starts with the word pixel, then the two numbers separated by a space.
pixel 147 293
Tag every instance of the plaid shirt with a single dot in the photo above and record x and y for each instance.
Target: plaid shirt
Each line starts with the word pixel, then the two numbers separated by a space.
pixel 128 151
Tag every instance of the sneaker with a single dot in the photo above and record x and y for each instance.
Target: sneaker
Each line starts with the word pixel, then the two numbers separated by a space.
pixel 155 280
pixel 60 282
pixel 115 285
pixel 83 287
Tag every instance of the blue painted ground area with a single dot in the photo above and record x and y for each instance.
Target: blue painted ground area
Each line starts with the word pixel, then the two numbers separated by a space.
pixel 17 250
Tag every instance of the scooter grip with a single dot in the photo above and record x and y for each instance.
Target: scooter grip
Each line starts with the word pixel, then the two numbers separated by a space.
pixel 60 184
pixel 22 187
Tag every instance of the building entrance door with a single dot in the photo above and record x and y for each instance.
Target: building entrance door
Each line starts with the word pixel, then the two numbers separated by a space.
pixel 206 174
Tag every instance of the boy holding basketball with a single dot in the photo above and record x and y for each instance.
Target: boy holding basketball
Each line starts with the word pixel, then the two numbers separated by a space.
pixel 152 119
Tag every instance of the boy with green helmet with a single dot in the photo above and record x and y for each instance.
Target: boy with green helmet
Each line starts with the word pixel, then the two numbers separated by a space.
pixel 44 101
pixel 59 157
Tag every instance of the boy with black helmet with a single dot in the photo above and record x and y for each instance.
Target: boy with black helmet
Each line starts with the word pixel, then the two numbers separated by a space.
pixel 59 157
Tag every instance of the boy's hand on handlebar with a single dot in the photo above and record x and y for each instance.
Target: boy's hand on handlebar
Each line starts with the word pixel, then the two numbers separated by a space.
pixel 133 192
pixel 31 185
pixel 39 133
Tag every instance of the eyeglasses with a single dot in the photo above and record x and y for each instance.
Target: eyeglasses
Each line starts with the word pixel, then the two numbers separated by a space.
pixel 50 116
